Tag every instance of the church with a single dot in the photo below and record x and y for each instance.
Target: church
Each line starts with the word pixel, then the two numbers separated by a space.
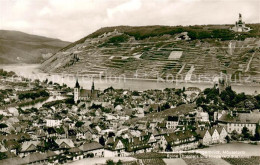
pixel 81 94
pixel 240 26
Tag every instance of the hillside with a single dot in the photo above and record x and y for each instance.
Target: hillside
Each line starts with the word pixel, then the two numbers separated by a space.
pixel 19 47
pixel 190 52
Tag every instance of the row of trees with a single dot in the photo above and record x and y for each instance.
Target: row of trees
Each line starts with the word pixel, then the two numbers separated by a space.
pixel 33 94
pixel 228 99
pixel 6 74
pixel 245 135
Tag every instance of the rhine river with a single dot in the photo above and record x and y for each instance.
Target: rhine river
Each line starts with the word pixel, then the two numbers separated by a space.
pixel 31 71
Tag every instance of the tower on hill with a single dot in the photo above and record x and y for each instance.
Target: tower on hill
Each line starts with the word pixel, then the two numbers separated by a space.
pixel 240 26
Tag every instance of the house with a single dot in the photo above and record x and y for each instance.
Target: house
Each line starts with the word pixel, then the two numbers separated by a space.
pixel 64 143
pixel 13 111
pixel 53 123
pixel 239 121
pixel 92 148
pixel 13 161
pixel 161 142
pixel 212 135
pixel 181 140
pixel 75 154
pixel 116 145
pixel 172 122
pixel 218 114
pixel 205 137
pixel 144 143
pixel 28 147
pixel 51 155
pixel 35 158
pixel 118 108
pixel 222 134
pixel 202 116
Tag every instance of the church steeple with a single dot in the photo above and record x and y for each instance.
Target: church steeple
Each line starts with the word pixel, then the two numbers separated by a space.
pixel 93 86
pixel 77 84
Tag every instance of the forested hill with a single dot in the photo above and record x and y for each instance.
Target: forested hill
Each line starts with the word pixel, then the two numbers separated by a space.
pixel 19 47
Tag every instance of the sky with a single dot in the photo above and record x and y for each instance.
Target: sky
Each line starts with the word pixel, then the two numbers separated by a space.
pixel 71 20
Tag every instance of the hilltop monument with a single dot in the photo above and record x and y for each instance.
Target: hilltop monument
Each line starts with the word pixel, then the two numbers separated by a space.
pixel 240 26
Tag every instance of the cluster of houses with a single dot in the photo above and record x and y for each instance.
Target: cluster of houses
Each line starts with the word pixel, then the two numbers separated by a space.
pixel 113 123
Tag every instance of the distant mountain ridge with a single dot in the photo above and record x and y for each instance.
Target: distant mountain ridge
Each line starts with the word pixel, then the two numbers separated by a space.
pixel 20 47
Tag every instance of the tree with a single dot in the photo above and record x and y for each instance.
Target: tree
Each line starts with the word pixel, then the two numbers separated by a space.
pixel 102 140
pixel 234 135
pixel 245 133
pixel 257 132
pixel 168 147
pixel 90 155
pixel 60 130
pixel 110 162
pixel 135 93
pixel 79 124
pixel 111 134
pixel 3 155
pixel 69 100
pixel 119 162
pixel 50 144
pixel 3 125
pixel 227 139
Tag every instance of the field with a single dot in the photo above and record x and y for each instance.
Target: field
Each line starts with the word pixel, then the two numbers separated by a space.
pixel 254 160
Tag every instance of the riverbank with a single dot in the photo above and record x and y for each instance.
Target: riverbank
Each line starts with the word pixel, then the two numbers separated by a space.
pixel 32 71
pixel 25 102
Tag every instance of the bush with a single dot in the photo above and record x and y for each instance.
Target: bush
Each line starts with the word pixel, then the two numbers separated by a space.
pixel 90 155
pixel 79 124
pixel 110 162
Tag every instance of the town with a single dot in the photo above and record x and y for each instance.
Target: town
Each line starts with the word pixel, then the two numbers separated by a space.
pixel 78 123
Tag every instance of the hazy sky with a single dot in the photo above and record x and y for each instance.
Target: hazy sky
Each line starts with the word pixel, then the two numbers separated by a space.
pixel 73 19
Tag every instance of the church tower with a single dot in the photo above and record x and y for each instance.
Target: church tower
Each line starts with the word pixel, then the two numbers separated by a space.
pixel 92 87
pixel 76 91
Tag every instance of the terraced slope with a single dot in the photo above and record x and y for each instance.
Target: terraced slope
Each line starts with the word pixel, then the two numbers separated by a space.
pixel 189 53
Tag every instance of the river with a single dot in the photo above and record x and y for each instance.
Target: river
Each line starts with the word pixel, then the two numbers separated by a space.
pixel 32 71
pixel 39 104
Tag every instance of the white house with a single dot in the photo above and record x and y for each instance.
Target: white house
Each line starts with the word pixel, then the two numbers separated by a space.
pixel 172 122
pixel 53 123
pixel 239 121
pixel 202 116
pixel 93 148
